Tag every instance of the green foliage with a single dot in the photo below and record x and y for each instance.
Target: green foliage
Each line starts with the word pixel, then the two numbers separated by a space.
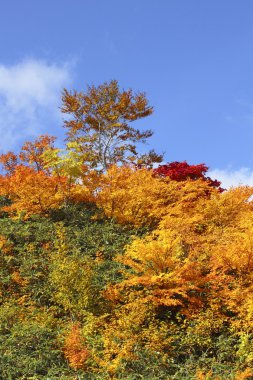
pixel 44 264
pixel 29 350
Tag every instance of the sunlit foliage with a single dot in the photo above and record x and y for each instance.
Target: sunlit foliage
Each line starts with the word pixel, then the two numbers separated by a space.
pixel 100 122
pixel 110 269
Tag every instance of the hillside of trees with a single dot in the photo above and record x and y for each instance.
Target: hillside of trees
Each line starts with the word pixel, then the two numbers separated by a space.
pixel 115 265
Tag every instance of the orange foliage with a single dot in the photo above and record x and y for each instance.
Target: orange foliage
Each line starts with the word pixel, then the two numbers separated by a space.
pixel 9 161
pixel 200 258
pixel 101 123
pixel 246 374
pixel 16 277
pixel 32 186
pixel 74 349
pixel 31 192
pixel 136 196
pixel 32 152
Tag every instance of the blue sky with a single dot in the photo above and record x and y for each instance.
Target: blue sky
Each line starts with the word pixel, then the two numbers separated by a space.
pixel 194 59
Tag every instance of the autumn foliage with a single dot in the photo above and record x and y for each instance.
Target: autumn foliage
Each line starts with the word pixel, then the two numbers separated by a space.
pixel 74 348
pixel 111 269
pixel 182 171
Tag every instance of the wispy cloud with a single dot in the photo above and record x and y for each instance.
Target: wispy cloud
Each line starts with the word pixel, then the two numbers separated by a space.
pixel 229 178
pixel 29 99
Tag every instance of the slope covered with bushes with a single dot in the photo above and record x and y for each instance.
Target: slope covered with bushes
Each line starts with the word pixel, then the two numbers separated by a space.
pixel 113 270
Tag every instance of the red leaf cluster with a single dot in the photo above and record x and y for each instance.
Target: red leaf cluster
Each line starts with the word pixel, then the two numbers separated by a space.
pixel 181 171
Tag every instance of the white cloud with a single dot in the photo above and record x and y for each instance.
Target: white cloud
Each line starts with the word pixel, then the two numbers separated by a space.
pixel 229 178
pixel 29 99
